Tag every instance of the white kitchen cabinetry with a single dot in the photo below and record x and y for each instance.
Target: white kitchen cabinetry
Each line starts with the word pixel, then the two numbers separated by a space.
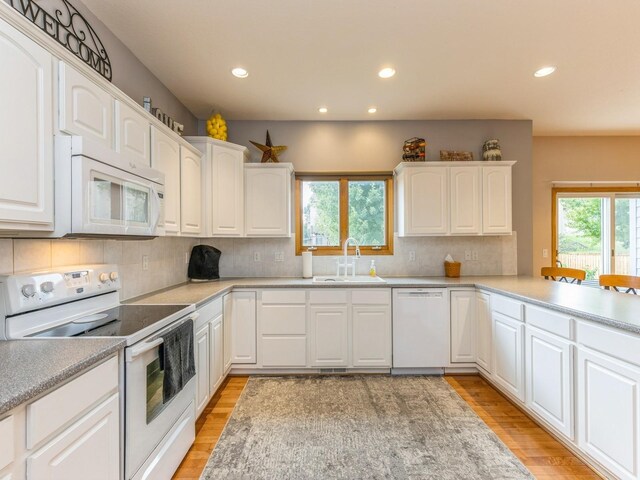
pixel 201 355
pixel 165 156
pixel 227 302
pixel 496 199
pixel 26 133
pixel 329 335
pixel 216 354
pixel 243 327
pixel 190 191
pixel 209 353
pixel 423 200
pixel 85 108
pixel 508 365
pixel 466 200
pixel 484 332
pixel 371 328
pixel 267 200
pixel 133 132
pixel 463 326
pixel 283 328
pixel 223 186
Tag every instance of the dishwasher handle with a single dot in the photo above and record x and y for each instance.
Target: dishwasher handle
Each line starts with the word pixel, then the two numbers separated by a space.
pixel 420 294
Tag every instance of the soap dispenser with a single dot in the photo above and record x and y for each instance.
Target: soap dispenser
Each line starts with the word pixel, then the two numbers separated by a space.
pixel 372 269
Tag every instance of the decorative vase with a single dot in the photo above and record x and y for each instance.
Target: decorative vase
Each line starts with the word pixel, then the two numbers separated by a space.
pixel 491 150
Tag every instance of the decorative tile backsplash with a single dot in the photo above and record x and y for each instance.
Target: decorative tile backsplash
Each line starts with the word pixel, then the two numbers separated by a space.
pixel 167 266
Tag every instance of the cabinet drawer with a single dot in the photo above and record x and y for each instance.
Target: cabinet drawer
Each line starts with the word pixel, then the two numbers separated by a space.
pixel 51 412
pixel 604 339
pixel 7 440
pixel 328 296
pixel 284 351
pixel 550 321
pixel 211 309
pixel 284 296
pixel 507 306
pixel 283 319
pixel 371 297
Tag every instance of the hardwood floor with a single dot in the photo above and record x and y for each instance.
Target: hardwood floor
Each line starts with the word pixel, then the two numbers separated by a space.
pixel 545 457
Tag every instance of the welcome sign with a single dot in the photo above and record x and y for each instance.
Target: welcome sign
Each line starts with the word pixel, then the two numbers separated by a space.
pixel 70 29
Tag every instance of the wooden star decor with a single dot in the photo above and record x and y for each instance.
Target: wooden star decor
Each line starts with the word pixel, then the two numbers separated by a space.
pixel 269 151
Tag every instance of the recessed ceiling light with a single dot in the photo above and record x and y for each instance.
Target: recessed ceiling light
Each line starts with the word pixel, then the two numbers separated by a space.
pixel 323 109
pixel 372 110
pixel 240 72
pixel 387 72
pixel 544 71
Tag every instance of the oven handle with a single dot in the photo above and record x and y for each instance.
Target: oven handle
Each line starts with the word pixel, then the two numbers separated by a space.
pixel 134 352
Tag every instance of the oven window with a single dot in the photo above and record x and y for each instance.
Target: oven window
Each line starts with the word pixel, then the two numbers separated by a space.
pixel 106 199
pixel 136 204
pixel 155 379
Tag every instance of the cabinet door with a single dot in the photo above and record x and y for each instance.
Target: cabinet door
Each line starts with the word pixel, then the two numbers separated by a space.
pixel 267 201
pixel 463 327
pixel 549 379
pixel 243 329
pixel 202 369
pixel 496 199
pixel 484 332
pixel 190 192
pixel 133 134
pixel 371 336
pixel 216 356
pixel 466 200
pixel 227 189
pixel 508 361
pixel 165 156
pixel 609 412
pixel 328 336
pixel 426 204
pixel 85 108
pixel 92 444
pixel 226 328
pixel 26 132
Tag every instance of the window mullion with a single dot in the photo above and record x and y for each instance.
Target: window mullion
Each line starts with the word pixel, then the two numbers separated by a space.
pixel 344 210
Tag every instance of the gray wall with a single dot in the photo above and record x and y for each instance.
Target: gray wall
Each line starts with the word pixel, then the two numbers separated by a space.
pixel 377 146
pixel 131 76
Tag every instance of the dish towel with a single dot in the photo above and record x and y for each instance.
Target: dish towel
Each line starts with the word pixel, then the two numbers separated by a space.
pixel 177 359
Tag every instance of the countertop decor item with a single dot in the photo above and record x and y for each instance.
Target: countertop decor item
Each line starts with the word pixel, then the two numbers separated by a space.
pixel 414 150
pixel 217 127
pixel 307 264
pixel 270 152
pixel 491 150
pixel 455 156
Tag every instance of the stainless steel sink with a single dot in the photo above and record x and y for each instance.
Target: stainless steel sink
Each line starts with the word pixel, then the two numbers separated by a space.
pixel 350 280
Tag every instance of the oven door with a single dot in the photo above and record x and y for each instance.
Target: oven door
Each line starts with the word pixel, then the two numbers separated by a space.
pixel 147 419
pixel 109 201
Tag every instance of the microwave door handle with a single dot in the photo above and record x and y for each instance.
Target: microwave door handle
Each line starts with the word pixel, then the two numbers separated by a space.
pixel 135 352
pixel 155 209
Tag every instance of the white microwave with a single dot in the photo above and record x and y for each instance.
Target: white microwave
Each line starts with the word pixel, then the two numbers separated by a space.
pixel 100 192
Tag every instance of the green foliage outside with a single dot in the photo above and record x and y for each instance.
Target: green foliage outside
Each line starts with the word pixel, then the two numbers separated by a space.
pixel 366 212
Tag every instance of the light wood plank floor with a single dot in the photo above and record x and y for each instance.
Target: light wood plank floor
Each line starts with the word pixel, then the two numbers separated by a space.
pixel 545 457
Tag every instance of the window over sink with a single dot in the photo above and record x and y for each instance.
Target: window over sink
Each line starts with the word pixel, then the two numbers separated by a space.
pixel 333 207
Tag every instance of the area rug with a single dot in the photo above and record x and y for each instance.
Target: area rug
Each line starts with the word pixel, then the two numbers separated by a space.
pixel 357 427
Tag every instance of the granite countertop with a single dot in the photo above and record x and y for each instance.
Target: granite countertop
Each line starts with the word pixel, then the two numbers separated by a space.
pixel 29 368
pixel 615 309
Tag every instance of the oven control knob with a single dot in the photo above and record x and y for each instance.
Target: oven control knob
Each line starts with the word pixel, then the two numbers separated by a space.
pixel 113 276
pixel 104 277
pixel 46 287
pixel 29 290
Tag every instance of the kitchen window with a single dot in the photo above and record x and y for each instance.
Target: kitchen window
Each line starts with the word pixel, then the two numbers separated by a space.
pixel 597 229
pixel 332 208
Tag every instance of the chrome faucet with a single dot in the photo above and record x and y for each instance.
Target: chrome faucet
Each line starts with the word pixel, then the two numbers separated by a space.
pixel 346 263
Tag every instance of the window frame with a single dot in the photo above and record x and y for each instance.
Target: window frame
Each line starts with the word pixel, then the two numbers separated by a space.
pixel 344 179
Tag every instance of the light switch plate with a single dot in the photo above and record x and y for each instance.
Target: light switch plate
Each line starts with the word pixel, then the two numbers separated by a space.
pixel 257 257
pixel 145 262
pixel 412 256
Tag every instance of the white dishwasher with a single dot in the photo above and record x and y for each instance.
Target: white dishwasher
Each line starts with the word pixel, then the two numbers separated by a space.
pixel 420 328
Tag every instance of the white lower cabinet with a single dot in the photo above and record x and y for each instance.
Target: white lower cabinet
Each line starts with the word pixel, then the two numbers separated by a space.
pixel 243 327
pixel 508 359
pixel 201 355
pixel 371 335
pixel 329 336
pixel 463 326
pixel 609 412
pixel 484 332
pixel 226 327
pixel 283 328
pixel 216 354
pixel 549 375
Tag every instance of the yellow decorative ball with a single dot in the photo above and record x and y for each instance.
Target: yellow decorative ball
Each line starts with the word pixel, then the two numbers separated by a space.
pixel 217 127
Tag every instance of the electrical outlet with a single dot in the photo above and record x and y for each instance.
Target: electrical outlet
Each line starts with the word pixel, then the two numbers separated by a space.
pixel 186 258
pixel 257 257
pixel 145 262
pixel 545 253
pixel 279 257
pixel 412 256
pixel 467 254
pixel 474 255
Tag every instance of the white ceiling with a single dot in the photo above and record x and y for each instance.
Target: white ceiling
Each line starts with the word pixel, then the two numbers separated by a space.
pixel 455 59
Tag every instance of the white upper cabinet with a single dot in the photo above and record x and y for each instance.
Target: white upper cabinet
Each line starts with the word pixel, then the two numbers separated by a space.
pixel 85 108
pixel 26 133
pixel 423 201
pixel 132 134
pixel 466 200
pixel 165 156
pixel 268 200
pixel 496 199
pixel 190 191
